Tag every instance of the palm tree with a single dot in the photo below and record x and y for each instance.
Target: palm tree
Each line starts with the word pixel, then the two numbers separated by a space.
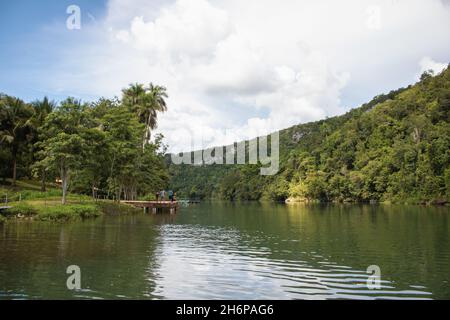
pixel 16 126
pixel 133 96
pixel 146 103
pixel 154 103
pixel 42 108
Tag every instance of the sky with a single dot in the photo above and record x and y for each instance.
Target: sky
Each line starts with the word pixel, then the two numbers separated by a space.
pixel 234 69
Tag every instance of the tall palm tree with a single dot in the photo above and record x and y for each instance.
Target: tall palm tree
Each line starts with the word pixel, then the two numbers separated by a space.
pixel 154 102
pixel 16 127
pixel 146 103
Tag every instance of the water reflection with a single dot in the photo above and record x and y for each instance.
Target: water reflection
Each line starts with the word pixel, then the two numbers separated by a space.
pixel 205 263
pixel 113 254
pixel 234 251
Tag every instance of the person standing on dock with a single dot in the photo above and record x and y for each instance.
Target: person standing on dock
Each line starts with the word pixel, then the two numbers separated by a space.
pixel 170 195
pixel 157 196
pixel 163 195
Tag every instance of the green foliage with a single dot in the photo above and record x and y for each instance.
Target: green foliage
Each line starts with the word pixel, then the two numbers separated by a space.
pixel 146 103
pixel 79 208
pixel 394 148
pixel 16 130
pixel 96 149
pixel 68 213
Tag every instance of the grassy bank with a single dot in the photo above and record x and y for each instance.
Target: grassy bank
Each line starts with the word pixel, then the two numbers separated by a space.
pixel 53 211
pixel 43 212
pixel 28 203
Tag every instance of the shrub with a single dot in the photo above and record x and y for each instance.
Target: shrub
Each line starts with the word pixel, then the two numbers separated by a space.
pixel 86 211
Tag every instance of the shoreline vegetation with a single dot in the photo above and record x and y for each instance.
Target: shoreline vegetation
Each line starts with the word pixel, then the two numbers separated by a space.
pixel 411 201
pixel 102 149
pixel 32 205
pixel 76 160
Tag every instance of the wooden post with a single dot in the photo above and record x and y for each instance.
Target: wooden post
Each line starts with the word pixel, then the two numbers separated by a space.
pixel 154 210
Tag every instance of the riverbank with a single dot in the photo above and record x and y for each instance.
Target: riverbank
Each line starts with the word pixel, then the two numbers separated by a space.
pixel 52 211
pixel 408 201
pixel 28 203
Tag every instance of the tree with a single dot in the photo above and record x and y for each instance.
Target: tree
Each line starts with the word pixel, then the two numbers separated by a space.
pixel 42 108
pixel 64 152
pixel 64 147
pixel 123 135
pixel 149 114
pixel 133 96
pixel 146 103
pixel 428 74
pixel 16 127
pixel 97 153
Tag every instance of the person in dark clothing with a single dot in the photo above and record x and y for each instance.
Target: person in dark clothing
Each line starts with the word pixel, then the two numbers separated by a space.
pixel 171 195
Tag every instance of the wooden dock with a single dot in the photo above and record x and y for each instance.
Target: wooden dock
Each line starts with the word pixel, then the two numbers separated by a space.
pixel 155 206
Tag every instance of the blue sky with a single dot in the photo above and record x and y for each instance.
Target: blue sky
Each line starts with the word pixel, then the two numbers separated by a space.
pixel 32 36
pixel 234 69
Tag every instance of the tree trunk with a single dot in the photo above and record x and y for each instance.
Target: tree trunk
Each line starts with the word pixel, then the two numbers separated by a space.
pixel 119 195
pixel 43 181
pixel 14 178
pixel 93 191
pixel 65 182
pixel 147 134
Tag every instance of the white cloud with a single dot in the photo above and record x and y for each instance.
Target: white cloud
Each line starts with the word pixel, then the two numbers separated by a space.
pixel 251 67
pixel 427 64
pixel 185 30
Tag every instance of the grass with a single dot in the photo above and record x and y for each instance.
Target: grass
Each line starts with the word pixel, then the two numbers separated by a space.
pixel 17 194
pixel 68 212
pixel 21 209
pixel 53 211
pixel 28 202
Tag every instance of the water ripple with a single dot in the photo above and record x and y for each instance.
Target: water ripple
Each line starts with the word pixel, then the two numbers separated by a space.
pixel 198 262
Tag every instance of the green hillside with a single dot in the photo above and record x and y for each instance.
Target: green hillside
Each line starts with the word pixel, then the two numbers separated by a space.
pixel 394 148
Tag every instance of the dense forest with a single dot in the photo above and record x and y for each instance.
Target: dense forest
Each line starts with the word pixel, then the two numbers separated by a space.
pixel 102 148
pixel 396 148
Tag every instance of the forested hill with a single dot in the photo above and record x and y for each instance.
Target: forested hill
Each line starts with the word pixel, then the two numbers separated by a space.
pixel 394 148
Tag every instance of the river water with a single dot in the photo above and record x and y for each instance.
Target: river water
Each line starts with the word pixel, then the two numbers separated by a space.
pixel 235 251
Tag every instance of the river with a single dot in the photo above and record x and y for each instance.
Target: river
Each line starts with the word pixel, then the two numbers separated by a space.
pixel 234 251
